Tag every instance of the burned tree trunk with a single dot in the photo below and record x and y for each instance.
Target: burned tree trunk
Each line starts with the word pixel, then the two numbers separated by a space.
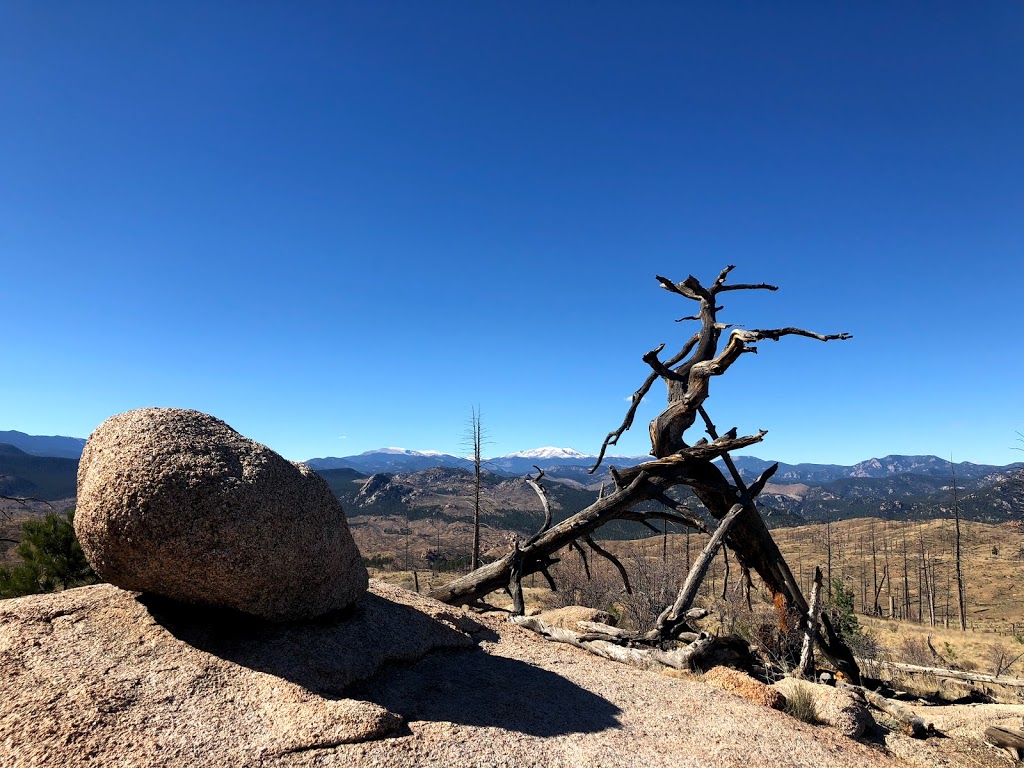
pixel 806 666
pixel 687 376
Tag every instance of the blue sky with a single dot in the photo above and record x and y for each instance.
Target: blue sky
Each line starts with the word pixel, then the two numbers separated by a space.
pixel 338 226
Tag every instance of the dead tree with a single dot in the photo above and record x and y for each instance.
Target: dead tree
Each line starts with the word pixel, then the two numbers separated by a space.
pixel 474 439
pixel 961 600
pixel 687 376
pixel 806 666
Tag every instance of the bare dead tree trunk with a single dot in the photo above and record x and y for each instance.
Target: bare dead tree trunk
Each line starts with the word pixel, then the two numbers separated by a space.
pixel 687 376
pixel 671 619
pixel 828 548
pixel 876 608
pixel 962 601
pixel 806 666
pixel 906 575
pixel 725 574
pixel 474 440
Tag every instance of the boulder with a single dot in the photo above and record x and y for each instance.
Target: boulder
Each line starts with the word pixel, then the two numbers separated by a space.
pixel 742 684
pixel 839 708
pixel 177 503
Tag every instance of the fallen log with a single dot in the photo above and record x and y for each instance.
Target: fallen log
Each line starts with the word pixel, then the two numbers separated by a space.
pixel 1010 739
pixel 951 674
pixel 685 658
pixel 914 723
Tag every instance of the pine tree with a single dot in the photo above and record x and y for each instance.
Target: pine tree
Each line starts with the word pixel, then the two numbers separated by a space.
pixel 51 558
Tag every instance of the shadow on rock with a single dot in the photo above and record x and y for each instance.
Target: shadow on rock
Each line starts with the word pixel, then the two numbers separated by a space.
pixel 325 655
pixel 385 651
pixel 475 688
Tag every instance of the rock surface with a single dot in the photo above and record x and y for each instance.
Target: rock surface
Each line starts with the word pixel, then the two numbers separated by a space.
pixel 835 707
pixel 117 678
pixel 176 503
pixel 97 677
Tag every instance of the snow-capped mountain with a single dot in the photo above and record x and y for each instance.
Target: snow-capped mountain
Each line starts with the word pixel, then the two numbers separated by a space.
pixel 391 460
pixel 548 452
pixel 566 461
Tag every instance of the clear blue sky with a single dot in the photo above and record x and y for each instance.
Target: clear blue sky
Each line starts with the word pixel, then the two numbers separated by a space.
pixel 338 226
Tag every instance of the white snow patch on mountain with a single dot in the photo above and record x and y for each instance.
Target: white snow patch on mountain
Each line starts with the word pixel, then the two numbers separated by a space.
pixel 402 452
pixel 548 452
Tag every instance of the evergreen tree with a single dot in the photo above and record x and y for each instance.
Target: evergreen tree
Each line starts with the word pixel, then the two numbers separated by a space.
pixel 51 558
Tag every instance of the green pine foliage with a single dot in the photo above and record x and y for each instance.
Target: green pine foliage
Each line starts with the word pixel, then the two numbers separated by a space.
pixel 844 621
pixel 51 559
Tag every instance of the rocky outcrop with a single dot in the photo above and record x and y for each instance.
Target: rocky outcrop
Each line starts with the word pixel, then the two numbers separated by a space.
pixel 176 503
pixel 104 678
pixel 119 678
pixel 839 708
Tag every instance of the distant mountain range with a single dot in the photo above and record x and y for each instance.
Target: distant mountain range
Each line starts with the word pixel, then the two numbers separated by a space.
pixel 389 480
pixel 521 463
pixel 38 445
pixel 40 477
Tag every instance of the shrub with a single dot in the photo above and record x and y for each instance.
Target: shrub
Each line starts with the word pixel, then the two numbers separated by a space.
pixel 844 621
pixel 914 650
pixel 800 704
pixel 51 558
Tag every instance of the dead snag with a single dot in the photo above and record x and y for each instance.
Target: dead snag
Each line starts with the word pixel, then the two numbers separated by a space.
pixel 806 666
pixel 687 376
pixel 672 619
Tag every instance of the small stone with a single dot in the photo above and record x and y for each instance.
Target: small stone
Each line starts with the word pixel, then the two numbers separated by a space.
pixel 176 503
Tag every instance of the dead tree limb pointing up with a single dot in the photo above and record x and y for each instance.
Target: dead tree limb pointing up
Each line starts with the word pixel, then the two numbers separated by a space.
pixel 687 376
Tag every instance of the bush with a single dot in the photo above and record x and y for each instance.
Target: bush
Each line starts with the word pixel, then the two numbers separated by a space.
pixel 800 704
pixel 844 621
pixel 51 558
pixel 914 650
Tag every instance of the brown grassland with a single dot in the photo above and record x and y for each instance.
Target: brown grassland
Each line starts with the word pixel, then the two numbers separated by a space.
pixel 906 563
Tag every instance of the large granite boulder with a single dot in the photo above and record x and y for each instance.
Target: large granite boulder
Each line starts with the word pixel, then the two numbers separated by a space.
pixel 177 503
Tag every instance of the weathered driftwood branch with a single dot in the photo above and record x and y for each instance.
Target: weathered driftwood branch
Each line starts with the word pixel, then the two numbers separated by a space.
pixel 637 398
pixel 542 494
pixel 613 560
pixel 690 455
pixel 914 723
pixel 1010 739
pixel 950 674
pixel 680 658
pixel 806 666
pixel 535 555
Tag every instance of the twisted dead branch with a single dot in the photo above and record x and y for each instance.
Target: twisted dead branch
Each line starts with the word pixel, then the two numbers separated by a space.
pixel 687 375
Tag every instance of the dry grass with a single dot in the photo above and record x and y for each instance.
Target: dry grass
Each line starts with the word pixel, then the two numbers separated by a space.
pixel 800 704
pixel 992 565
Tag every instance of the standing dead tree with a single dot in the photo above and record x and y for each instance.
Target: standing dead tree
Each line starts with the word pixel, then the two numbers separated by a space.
pixel 687 376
